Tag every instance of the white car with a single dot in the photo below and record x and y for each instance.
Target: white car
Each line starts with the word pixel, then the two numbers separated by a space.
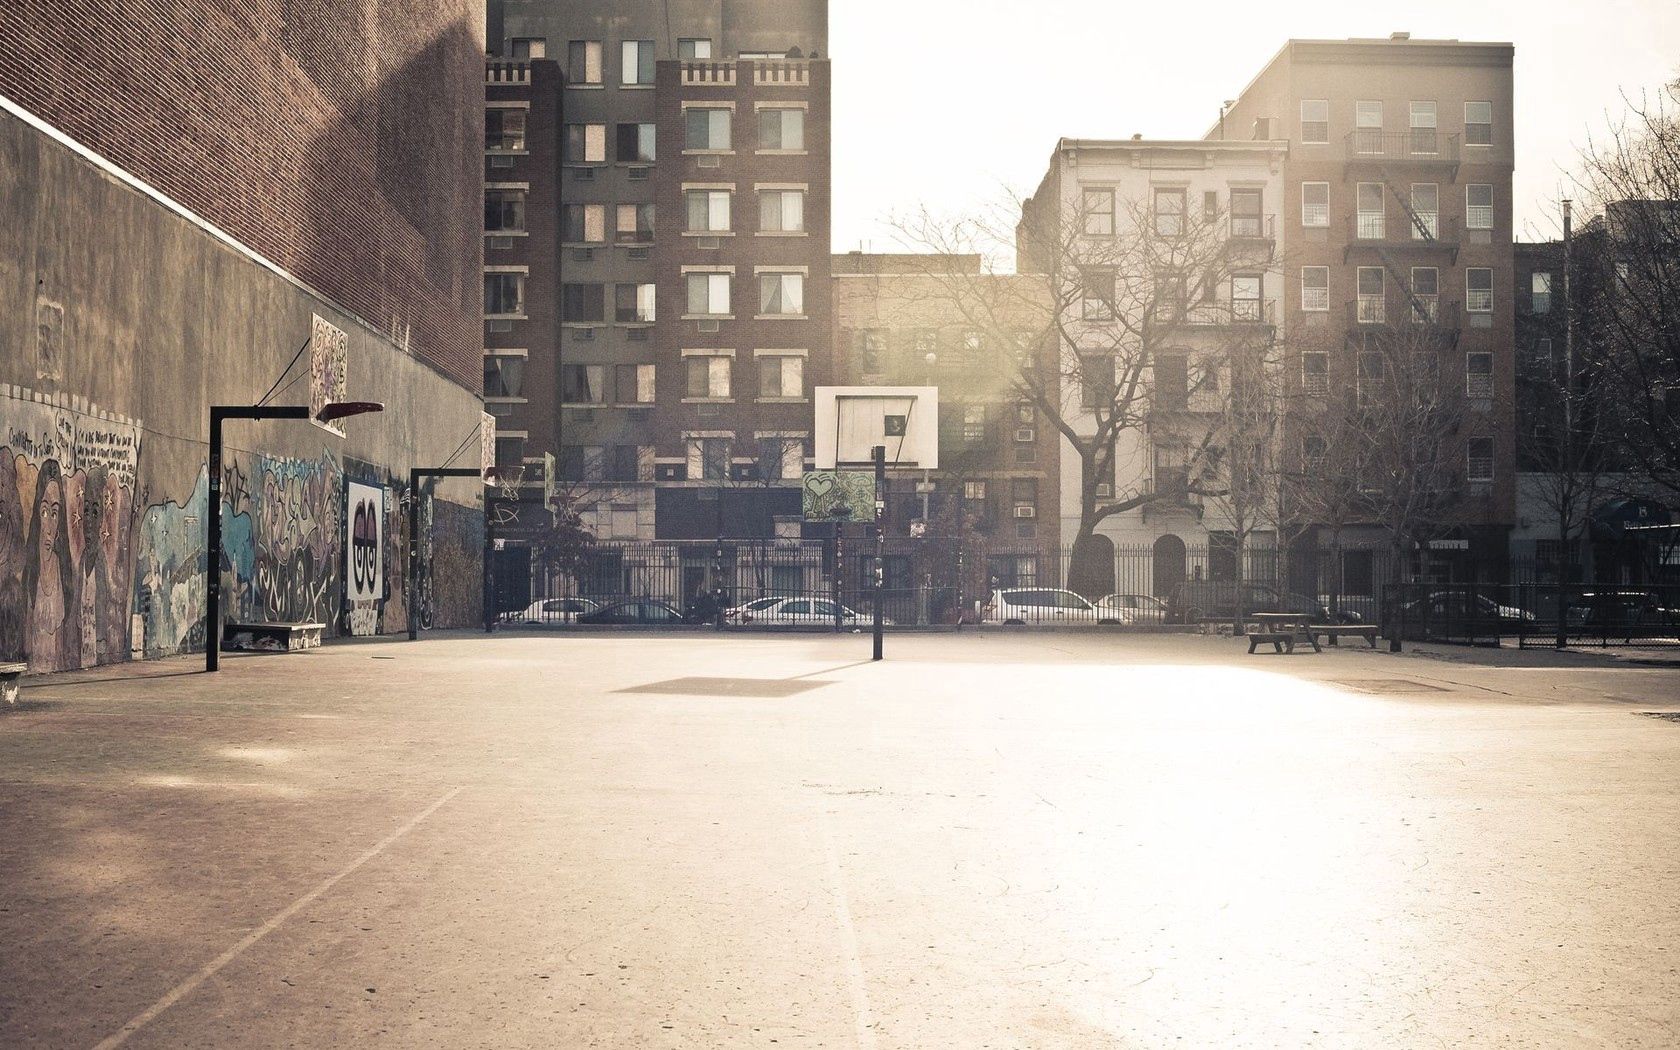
pixel 815 612
pixel 553 611
pixel 1130 609
pixel 1040 605
pixel 746 610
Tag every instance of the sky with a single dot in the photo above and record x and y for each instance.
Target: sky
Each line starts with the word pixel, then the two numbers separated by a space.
pixel 953 103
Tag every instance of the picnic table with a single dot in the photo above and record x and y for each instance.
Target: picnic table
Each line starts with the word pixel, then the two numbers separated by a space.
pixel 1282 630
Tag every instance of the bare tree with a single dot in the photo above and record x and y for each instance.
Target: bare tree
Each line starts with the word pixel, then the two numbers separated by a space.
pixel 1116 294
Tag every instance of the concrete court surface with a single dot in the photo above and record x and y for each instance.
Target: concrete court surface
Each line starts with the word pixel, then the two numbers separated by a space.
pixel 996 840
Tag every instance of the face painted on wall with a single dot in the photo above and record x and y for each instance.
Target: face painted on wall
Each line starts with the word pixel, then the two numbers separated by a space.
pixel 51 511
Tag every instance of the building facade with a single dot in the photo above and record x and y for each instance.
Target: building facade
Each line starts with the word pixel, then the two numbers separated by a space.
pixel 988 514
pixel 687 316
pixel 1396 231
pixel 193 192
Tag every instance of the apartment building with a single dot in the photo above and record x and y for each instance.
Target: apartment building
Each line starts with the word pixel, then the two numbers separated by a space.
pixel 1176 246
pixel 1396 228
pixel 688 220
pixel 989 512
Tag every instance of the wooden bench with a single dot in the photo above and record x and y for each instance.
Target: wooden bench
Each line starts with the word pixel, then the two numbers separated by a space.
pixel 272 637
pixel 1281 629
pixel 1367 631
pixel 1280 641
pixel 9 674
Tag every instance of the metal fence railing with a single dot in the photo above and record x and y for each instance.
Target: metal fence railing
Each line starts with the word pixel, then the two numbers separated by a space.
pixel 1529 615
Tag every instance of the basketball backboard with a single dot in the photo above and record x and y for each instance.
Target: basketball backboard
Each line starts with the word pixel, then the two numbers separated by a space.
pixel 851 420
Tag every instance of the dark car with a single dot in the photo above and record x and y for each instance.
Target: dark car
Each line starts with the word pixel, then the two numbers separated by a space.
pixel 641 611
pixel 1203 600
pixel 1620 612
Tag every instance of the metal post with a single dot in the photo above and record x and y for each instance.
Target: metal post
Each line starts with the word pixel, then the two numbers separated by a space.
pixel 880 539
pixel 1566 571
pixel 834 579
pixel 213 549
pixel 489 564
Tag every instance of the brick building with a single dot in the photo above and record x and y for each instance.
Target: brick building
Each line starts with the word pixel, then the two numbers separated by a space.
pixel 191 191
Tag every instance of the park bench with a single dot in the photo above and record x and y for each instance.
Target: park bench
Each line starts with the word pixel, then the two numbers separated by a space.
pixel 1367 631
pixel 9 675
pixel 1279 640
pixel 272 637
pixel 1281 630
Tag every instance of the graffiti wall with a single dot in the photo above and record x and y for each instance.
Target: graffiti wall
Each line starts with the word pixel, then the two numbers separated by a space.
pixel 67 497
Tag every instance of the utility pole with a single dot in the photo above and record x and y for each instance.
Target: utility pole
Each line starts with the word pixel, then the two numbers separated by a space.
pixel 1566 574
pixel 880 539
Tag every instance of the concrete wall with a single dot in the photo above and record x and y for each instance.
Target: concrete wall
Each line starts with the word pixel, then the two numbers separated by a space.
pixel 121 320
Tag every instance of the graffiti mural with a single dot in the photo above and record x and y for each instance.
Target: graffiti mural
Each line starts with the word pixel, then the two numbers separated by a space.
pixel 282 539
pixel 67 479
pixel 169 575
pixel 364 573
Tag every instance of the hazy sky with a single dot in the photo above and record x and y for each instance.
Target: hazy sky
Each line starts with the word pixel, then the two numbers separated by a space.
pixel 945 102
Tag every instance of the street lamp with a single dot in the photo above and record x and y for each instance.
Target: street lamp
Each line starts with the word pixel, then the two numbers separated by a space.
pixel 213 569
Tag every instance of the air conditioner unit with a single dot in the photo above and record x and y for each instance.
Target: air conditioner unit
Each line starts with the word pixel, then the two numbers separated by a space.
pixel 501 326
pixel 501 242
pixel 711 242
pixel 1105 490
pixel 711 162
pixel 708 326
pixel 583 335
pixel 497 161
pixel 583 174
pixel 583 254
pixel 1025 434
pixel 707 411
pixel 636 335
pixel 639 174
pixel 1026 512
pixel 638 253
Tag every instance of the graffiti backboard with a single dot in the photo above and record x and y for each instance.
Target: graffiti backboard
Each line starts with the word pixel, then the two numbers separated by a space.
pixel 830 495
pixel 328 378
pixel 364 569
pixel 487 446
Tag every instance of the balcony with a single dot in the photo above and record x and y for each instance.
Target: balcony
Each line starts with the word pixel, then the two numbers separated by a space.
pixel 1418 148
pixel 781 72
pixel 1252 236
pixel 1401 232
pixel 500 72
pixel 708 74
pixel 1426 316
pixel 1216 314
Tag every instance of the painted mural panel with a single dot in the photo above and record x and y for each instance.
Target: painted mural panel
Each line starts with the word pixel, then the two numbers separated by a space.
pixel 364 582
pixel 67 478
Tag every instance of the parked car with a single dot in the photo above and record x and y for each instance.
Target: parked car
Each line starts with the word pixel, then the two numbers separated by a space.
pixel 1130 609
pixel 1470 609
pixel 740 613
pixel 552 611
pixel 640 611
pixel 1203 600
pixel 815 612
pixel 1352 608
pixel 1614 611
pixel 1040 605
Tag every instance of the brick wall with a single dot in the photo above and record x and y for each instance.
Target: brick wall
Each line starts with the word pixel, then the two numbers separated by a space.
pixel 341 139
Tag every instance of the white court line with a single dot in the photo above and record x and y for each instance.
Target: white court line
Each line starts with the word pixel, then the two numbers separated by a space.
pixel 848 941
pixel 185 988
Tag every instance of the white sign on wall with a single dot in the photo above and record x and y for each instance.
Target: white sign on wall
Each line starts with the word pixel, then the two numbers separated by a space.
pixel 364 556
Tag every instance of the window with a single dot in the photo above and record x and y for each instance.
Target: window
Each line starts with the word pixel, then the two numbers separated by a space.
pixel 1478 375
pixel 529 47
pixel 1540 294
pixel 708 211
pixel 782 294
pixel 781 211
pixel 1245 297
pixel 1426 295
pixel 1023 492
pixel 1096 295
pixel 1172 382
pixel 622 462
pixel 633 384
pixel 1423 128
pixel 780 458
pixel 1246 220
pixel 1171 298
pixel 1478 123
pixel 1314 452
pixel 1372 219
pixel 635 223
pixel 583 384
pixel 1172 477
pixel 1169 213
pixel 694 49
pixel 585 144
pixel 504 129
pixel 708 457
pixel 1370 376
pixel 1315 204
pixel 1096 382
pixel 1315 120
pixel 974 490
pixel 504 293
pixel 633 303
pixel 504 210
pixel 1479 460
pixel 1372 301
pixel 1210 205
pixel 503 375
pixel 782 129
pixel 1478 207
pixel 706 129
pixel 583 303
pixel 636 143
pixel 871 349
pixel 708 376
pixel 1098 209
pixel 708 293
pixel 510 451
pixel 1478 290
pixel 974 424
pixel 636 68
pixel 1367 127
pixel 973 348
pixel 1315 288
pixel 583 223
pixel 781 376
pixel 1315 372
pixel 583 62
